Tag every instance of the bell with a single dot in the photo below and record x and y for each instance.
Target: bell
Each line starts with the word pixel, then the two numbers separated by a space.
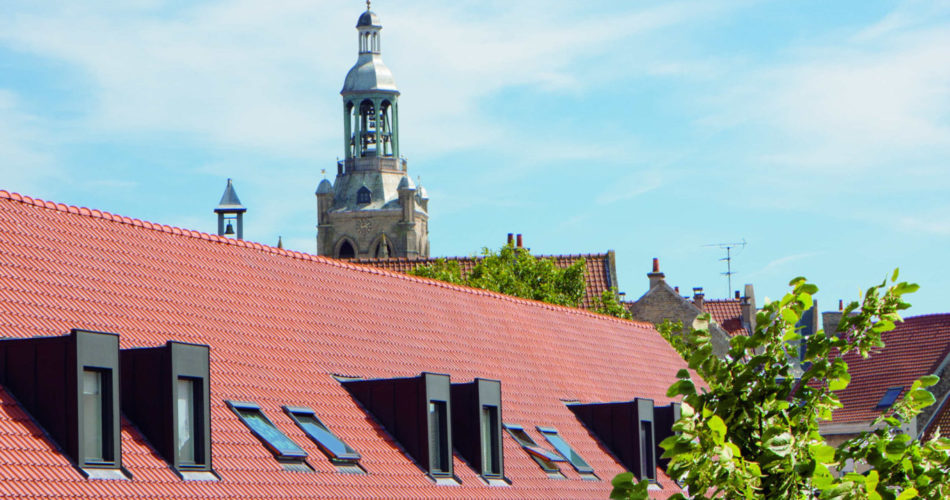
pixel 229 230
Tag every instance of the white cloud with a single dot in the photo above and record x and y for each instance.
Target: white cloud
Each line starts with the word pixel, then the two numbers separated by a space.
pixel 25 165
pixel 631 186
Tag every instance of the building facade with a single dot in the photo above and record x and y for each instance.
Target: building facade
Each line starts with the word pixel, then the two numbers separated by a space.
pixel 372 208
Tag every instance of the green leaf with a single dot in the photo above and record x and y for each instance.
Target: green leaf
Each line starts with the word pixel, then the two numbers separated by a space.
pixel 718 427
pixel 908 493
pixel 928 380
pixel 790 316
pixel 896 272
pixel 822 477
pixel 822 453
pixel 622 479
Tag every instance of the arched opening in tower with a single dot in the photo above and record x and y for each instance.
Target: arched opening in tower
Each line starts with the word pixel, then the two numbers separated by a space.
pixel 346 251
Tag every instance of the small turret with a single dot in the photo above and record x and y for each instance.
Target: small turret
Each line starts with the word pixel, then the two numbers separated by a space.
pixel 407 199
pixel 230 213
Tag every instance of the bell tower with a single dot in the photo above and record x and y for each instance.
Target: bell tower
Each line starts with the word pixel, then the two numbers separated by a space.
pixel 372 208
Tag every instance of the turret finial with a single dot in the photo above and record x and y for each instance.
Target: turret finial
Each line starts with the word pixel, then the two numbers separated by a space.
pixel 367 5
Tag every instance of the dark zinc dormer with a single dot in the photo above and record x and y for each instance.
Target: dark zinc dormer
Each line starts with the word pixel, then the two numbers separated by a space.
pixel 416 411
pixel 165 393
pixel 476 426
pixel 627 429
pixel 69 384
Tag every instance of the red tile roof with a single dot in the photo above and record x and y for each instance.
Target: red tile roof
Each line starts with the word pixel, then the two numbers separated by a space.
pixel 914 349
pixel 597 275
pixel 940 421
pixel 726 312
pixel 280 324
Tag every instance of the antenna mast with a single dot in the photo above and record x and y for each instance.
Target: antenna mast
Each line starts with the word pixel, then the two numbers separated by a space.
pixel 728 258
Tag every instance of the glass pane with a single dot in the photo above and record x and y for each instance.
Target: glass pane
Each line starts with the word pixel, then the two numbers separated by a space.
pixel 266 430
pixel 438 436
pixel 567 452
pixel 647 469
pixel 490 447
pixel 327 441
pixel 92 414
pixel 186 420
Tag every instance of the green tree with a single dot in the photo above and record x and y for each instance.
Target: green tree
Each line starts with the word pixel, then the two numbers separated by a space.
pixel 609 304
pixel 514 271
pixel 754 432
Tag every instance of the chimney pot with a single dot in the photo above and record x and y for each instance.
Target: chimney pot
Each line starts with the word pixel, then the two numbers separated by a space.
pixel 511 238
pixel 676 289
pixel 737 295
pixel 698 297
pixel 656 276
pixel 520 242
pixel 840 305
pixel 656 265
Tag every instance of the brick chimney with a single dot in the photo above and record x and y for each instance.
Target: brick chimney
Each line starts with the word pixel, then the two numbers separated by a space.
pixel 737 295
pixel 699 297
pixel 520 243
pixel 656 276
pixel 511 239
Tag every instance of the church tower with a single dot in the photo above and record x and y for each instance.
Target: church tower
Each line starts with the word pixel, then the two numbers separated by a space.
pixel 372 208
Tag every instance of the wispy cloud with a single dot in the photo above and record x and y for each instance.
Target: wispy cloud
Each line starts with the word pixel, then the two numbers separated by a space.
pixel 631 186
pixel 781 264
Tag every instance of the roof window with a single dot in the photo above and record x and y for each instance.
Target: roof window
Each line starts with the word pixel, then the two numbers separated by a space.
pixel 340 454
pixel 559 444
pixel 546 459
pixel 889 398
pixel 287 452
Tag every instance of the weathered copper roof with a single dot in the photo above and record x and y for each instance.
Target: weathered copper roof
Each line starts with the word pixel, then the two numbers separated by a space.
pixel 280 324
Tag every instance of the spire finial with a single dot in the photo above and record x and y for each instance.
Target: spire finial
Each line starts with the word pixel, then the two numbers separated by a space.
pixel 367 5
pixel 324 172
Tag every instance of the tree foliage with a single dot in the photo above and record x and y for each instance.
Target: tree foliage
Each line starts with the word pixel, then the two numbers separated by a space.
pixel 514 271
pixel 754 432
pixel 609 304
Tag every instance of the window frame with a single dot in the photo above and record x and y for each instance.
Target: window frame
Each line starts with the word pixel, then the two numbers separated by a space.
pixel 106 416
pixel 896 391
pixel 284 455
pixel 567 452
pixel 540 455
pixel 351 457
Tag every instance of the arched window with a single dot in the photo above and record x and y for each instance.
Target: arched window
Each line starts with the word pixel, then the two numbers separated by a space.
pixel 346 251
pixel 363 195
pixel 383 250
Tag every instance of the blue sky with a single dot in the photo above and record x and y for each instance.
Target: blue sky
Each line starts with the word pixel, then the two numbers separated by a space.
pixel 817 131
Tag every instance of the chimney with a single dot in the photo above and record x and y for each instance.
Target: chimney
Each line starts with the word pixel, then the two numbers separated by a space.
pixel 520 242
pixel 737 295
pixel 698 297
pixel 677 290
pixel 748 308
pixel 840 305
pixel 511 239
pixel 656 276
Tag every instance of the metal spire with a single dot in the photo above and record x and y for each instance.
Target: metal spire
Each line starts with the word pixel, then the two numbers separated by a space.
pixel 367 5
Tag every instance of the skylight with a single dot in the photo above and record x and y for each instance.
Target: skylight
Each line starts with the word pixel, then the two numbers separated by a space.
pixel 334 448
pixel 889 397
pixel 559 444
pixel 546 459
pixel 276 441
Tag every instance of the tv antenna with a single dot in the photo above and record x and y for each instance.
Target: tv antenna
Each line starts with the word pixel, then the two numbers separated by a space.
pixel 728 258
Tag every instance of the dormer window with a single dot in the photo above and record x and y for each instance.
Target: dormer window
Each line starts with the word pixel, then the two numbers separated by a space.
pixel 545 459
pixel 416 411
pixel 340 454
pixel 363 195
pixel 166 394
pixel 68 384
pixel 476 427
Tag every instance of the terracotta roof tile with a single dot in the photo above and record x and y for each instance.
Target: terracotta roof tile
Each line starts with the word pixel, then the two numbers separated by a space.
pixel 597 275
pixel 940 420
pixel 280 324
pixel 913 349
pixel 726 312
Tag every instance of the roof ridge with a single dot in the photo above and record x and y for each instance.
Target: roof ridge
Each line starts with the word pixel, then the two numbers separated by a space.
pixel 190 233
